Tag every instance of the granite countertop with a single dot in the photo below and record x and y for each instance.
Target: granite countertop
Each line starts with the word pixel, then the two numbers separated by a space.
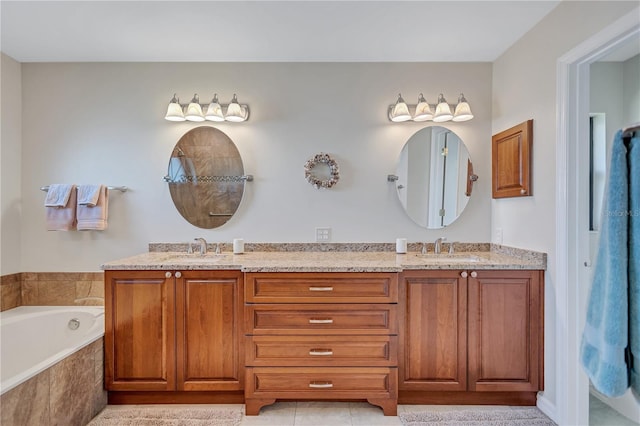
pixel 478 257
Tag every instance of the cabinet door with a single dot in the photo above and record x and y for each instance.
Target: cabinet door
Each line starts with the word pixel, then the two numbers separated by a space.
pixel 209 317
pixel 139 331
pixel 506 331
pixel 433 331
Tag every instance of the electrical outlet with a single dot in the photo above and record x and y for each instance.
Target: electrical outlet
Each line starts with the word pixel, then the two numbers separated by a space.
pixel 323 235
pixel 497 238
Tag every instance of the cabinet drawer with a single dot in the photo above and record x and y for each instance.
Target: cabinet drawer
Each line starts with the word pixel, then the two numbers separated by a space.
pixel 321 319
pixel 343 382
pixel 374 351
pixel 323 287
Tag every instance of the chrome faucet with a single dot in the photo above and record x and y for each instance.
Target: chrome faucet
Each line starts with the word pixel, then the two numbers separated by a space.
pixel 203 245
pixel 437 246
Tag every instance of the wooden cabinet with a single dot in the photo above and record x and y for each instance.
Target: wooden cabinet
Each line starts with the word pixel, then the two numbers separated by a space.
pixel 506 331
pixel 321 336
pixel 471 336
pixel 173 331
pixel 433 331
pixel 511 161
pixel 139 331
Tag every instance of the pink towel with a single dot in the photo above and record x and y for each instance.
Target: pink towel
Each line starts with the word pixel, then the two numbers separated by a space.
pixel 94 218
pixel 62 218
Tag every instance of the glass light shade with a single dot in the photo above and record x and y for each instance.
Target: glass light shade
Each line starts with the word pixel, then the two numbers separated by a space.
pixel 400 111
pixel 194 110
pixel 463 110
pixel 234 111
pixel 174 110
pixel 214 110
pixel 423 110
pixel 443 110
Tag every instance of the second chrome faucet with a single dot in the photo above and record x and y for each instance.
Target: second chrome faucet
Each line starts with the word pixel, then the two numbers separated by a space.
pixel 203 245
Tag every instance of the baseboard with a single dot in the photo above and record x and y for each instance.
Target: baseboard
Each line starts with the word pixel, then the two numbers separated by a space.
pixel 547 407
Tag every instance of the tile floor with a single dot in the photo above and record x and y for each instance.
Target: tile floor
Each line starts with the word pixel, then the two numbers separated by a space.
pixel 600 414
pixel 315 413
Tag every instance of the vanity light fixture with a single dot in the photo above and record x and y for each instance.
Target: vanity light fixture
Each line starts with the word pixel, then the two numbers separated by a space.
pixel 174 111
pixel 400 111
pixel 215 111
pixel 423 111
pixel 194 110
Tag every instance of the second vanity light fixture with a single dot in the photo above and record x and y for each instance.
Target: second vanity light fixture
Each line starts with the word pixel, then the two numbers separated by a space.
pixel 213 111
pixel 422 111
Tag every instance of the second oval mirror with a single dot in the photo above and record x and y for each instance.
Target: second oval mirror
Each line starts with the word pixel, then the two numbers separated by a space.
pixel 434 177
pixel 206 177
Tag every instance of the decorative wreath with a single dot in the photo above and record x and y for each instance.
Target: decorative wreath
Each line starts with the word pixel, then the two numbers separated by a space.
pixel 333 168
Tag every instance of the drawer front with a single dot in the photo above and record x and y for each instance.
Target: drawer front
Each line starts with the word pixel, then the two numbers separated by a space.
pixel 374 351
pixel 321 319
pixel 320 382
pixel 318 287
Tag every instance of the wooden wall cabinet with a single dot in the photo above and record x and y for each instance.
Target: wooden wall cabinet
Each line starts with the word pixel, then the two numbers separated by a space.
pixel 173 331
pixel 511 161
pixel 471 337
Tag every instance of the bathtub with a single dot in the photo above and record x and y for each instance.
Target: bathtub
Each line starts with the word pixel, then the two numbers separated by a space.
pixel 33 338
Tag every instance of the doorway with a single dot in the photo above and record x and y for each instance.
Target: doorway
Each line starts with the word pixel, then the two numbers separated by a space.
pixel 572 214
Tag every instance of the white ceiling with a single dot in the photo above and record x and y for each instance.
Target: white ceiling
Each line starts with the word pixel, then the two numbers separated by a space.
pixel 236 31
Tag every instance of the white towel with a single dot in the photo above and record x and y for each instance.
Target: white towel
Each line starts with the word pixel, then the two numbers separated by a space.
pixel 62 218
pixel 58 195
pixel 94 218
pixel 88 195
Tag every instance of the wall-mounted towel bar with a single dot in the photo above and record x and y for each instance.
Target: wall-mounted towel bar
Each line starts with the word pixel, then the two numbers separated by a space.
pixel 111 188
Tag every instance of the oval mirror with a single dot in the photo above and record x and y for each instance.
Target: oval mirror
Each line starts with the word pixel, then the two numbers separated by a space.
pixel 434 177
pixel 206 177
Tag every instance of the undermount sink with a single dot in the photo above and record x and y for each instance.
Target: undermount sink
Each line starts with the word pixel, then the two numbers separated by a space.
pixel 450 258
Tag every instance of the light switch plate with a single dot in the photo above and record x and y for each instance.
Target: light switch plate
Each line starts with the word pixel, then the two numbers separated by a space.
pixel 497 239
pixel 323 235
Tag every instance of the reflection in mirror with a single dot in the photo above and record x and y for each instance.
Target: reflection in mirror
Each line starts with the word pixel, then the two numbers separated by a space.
pixel 433 173
pixel 206 177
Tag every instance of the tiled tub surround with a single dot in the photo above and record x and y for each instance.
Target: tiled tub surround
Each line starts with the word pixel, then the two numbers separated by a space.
pixel 69 392
pixel 52 289
pixel 358 257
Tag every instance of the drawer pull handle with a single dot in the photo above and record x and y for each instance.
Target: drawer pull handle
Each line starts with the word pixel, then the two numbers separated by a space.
pixel 320 288
pixel 321 385
pixel 321 352
pixel 320 321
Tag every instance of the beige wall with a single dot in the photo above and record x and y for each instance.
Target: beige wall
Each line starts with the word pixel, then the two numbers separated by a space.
pixel 524 87
pixel 10 165
pixel 108 127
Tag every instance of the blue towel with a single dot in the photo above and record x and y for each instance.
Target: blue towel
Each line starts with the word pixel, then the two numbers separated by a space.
pixel 634 260
pixel 605 337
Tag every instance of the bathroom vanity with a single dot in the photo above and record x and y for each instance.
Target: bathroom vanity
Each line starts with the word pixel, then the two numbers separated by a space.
pixel 375 326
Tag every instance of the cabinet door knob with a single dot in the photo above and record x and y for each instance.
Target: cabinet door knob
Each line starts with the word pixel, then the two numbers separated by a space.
pixel 474 274
pixel 178 274
pixel 464 274
pixel 523 191
pixel 167 274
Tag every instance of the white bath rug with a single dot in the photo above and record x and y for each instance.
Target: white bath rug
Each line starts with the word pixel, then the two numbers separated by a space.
pixel 499 417
pixel 161 416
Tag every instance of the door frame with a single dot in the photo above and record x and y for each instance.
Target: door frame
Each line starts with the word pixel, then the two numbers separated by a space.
pixel 572 114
